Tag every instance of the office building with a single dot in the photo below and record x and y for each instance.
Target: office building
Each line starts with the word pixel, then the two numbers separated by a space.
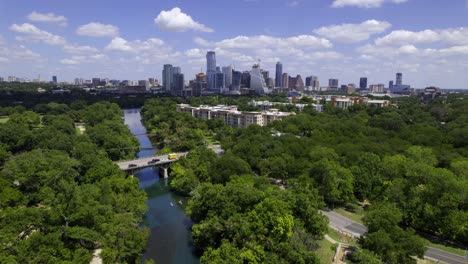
pixel 399 87
pixel 151 82
pixel 399 78
pixel 167 77
pixel 219 82
pixel 285 80
pixel 96 81
pixel 1 79
pixel 179 84
pixel 291 83
pixel 390 85
pixel 279 75
pixel 144 83
pixel 265 74
pixel 363 83
pixel 236 81
pixel 245 79
pixel 199 85
pixel 211 69
pixel 376 88
pixel 227 76
pixel 257 82
pixel 54 79
pixel 299 85
pixel 333 84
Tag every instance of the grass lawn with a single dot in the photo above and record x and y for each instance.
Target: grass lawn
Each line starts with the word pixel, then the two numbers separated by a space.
pixel 453 250
pixel 356 216
pixel 341 237
pixel 326 252
pixel 211 141
pixel 3 120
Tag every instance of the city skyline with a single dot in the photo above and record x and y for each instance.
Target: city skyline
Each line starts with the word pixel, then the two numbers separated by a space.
pixel 343 39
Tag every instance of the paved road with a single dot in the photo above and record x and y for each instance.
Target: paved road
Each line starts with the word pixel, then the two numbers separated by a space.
pixel 346 225
pixel 163 159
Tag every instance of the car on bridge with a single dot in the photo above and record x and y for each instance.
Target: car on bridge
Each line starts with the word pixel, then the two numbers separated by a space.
pixel 131 165
pixel 172 156
pixel 153 161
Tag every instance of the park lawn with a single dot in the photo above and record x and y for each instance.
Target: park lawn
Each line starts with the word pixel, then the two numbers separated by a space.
pixel 211 141
pixel 3 120
pixel 355 216
pixel 326 251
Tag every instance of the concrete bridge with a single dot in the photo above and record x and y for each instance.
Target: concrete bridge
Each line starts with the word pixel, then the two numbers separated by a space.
pixel 161 161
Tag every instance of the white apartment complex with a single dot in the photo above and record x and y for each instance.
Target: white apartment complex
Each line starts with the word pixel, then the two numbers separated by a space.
pixel 231 116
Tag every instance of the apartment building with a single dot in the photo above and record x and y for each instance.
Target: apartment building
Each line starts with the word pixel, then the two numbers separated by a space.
pixel 231 116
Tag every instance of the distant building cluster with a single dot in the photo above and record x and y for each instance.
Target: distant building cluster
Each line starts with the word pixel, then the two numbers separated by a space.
pixel 232 117
pixel 229 81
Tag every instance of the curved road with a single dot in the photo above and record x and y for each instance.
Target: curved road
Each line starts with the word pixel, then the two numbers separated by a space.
pixel 346 225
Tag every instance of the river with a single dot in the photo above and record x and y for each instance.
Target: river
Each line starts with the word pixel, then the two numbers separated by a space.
pixel 170 240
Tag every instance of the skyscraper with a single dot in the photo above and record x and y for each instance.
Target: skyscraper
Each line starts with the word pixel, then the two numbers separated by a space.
pixel 219 82
pixel 54 79
pixel 167 77
pixel 96 81
pixel 279 75
pixel 178 84
pixel 227 76
pixel 257 81
pixel 211 69
pixel 245 79
pixel 399 78
pixel 299 86
pixel 236 81
pixel 363 83
pixel 199 84
pixel 333 84
pixel 285 80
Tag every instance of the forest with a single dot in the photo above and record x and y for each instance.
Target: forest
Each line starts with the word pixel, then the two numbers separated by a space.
pixel 407 163
pixel 61 195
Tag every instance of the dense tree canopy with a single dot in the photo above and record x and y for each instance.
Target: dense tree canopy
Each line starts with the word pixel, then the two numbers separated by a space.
pixel 61 197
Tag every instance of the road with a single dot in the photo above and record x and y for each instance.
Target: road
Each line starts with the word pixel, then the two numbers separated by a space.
pixel 346 225
pixel 163 159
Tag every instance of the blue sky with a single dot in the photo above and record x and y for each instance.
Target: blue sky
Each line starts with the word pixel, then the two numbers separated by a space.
pixel 427 40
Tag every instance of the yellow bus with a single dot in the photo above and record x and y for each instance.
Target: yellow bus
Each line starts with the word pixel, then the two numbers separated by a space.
pixel 172 156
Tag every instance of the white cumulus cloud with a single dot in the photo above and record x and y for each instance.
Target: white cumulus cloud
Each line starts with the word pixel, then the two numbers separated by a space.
pixel 95 29
pixel 177 21
pixel 48 18
pixel 350 33
pixel 263 41
pixel 121 44
pixel 31 32
pixel 364 3
pixel 403 37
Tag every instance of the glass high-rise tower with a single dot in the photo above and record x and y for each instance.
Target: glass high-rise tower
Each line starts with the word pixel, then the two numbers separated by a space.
pixel 399 78
pixel 279 75
pixel 211 69
pixel 167 77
